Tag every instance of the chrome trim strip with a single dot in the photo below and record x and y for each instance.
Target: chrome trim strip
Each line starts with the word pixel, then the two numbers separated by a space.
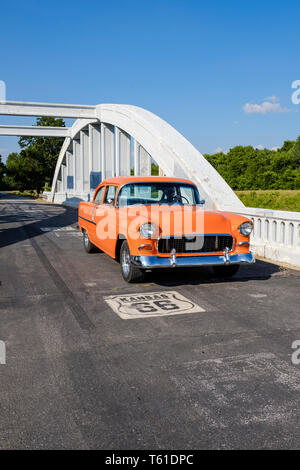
pixel 90 221
pixel 153 262
pixel 197 235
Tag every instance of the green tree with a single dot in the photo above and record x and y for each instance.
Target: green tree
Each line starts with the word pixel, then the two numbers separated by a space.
pixel 35 164
pixel 154 169
pixel 2 173
pixel 295 153
pixel 45 148
pixel 24 170
pixel 246 168
pixel 287 145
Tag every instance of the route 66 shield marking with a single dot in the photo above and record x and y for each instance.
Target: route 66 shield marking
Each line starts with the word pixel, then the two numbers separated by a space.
pixel 151 304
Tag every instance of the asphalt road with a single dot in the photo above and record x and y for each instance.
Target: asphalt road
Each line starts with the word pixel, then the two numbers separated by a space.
pixel 78 376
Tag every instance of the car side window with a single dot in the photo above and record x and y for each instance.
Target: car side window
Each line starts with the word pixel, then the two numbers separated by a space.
pixel 110 195
pixel 187 195
pixel 99 195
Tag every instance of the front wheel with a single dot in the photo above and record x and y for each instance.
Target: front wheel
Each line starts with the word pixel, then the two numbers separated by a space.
pixel 129 272
pixel 226 271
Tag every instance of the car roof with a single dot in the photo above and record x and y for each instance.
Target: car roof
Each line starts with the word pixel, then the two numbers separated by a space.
pixel 120 180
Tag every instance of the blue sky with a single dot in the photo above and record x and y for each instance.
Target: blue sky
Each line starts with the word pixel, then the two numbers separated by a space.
pixel 195 63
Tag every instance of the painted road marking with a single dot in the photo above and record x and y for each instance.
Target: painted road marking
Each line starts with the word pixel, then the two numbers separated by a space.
pixel 35 216
pixel 151 304
pixel 258 296
pixel 59 229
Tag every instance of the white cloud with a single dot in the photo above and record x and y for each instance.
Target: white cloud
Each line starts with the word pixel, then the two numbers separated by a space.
pixel 235 122
pixel 264 108
pixel 259 147
pixel 272 98
pixel 218 150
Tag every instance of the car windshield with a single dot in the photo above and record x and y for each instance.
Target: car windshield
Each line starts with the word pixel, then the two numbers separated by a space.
pixel 158 193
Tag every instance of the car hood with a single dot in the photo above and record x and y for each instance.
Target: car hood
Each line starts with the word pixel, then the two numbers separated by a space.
pixel 177 219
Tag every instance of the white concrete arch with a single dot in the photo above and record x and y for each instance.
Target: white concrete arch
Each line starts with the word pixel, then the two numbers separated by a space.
pixel 102 146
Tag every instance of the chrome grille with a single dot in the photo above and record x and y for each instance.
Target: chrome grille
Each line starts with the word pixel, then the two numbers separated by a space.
pixel 195 244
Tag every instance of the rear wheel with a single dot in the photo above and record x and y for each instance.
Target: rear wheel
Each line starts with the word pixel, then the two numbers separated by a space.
pixel 226 271
pixel 129 272
pixel 88 246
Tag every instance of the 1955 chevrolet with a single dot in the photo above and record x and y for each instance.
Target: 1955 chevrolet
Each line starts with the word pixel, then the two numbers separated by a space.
pixel 160 222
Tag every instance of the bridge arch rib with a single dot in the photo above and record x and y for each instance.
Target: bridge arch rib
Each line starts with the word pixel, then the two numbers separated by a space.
pixel 122 137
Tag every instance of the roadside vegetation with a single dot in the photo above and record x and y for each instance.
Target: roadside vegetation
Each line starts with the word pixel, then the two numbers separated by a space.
pixel 247 168
pixel 31 193
pixel 283 200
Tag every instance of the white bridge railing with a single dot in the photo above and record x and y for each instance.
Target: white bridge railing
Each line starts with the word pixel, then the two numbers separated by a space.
pixel 276 234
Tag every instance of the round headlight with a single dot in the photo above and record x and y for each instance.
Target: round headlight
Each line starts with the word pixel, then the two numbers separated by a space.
pixel 147 230
pixel 246 228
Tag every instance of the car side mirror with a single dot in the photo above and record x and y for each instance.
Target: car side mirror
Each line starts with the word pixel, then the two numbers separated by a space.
pixel 110 201
pixel 202 202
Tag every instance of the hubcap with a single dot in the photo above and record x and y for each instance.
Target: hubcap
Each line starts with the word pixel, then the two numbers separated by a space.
pixel 125 261
pixel 86 239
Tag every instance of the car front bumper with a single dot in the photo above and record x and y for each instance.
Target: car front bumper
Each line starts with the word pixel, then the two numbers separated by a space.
pixel 153 262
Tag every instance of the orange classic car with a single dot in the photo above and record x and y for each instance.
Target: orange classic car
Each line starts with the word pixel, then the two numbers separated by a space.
pixel 159 222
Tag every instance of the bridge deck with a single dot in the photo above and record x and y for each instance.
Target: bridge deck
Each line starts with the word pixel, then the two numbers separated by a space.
pixel 79 376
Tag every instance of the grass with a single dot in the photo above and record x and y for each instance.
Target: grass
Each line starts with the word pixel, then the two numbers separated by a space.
pixel 284 200
pixel 31 193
